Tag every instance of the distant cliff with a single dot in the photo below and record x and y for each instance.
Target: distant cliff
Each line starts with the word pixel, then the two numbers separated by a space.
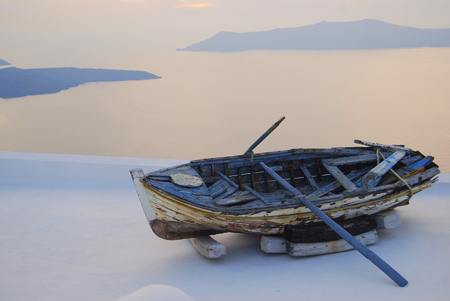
pixel 16 82
pixel 4 63
pixel 365 34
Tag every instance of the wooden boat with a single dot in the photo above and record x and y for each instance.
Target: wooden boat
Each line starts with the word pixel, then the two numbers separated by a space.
pixel 237 194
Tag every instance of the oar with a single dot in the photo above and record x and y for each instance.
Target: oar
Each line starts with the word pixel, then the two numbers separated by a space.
pixel 380 263
pixel 263 136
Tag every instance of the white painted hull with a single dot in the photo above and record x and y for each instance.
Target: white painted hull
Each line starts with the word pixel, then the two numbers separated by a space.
pixel 171 218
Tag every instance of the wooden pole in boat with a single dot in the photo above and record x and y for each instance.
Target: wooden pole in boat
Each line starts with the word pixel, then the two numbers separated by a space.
pixel 380 263
pixel 264 136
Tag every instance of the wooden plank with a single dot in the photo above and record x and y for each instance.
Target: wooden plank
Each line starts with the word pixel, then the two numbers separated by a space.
pixel 373 177
pixel 227 188
pixel 292 175
pixel 285 155
pixel 253 178
pixel 339 176
pixel 208 247
pixel 227 193
pixel 159 178
pixel 350 160
pixel 328 247
pixel 322 232
pixel 220 187
pixel 319 173
pixel 259 196
pixel 405 172
pixel 309 177
pixel 217 185
pixel 240 178
pixel 426 175
pixel 240 197
pixel 315 234
pixel 228 180
pixel 422 162
pixel 266 182
pixel 409 160
pixel 391 148
pixel 334 185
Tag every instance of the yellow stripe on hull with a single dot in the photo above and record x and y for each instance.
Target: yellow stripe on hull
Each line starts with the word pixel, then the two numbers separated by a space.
pixel 173 217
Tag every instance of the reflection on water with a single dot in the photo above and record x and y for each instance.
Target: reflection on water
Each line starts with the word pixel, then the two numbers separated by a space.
pixel 214 104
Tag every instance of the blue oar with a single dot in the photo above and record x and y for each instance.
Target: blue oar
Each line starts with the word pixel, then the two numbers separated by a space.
pixel 263 136
pixel 380 263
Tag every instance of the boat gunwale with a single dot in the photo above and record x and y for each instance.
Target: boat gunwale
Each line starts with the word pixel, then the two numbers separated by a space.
pixel 220 215
pixel 429 177
pixel 278 155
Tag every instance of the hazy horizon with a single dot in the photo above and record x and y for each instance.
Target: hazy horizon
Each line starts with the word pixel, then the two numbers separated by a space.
pixel 209 104
pixel 215 104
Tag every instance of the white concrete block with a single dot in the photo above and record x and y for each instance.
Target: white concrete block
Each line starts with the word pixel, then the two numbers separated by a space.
pixel 208 247
pixel 388 220
pixel 319 248
pixel 273 244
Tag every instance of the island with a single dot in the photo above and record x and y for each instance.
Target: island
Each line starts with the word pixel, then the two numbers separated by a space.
pixel 365 34
pixel 17 82
pixel 4 63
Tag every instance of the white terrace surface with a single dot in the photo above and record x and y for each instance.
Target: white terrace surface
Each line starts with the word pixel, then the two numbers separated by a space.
pixel 73 229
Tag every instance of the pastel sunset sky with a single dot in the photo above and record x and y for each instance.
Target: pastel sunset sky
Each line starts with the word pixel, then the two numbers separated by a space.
pixel 34 28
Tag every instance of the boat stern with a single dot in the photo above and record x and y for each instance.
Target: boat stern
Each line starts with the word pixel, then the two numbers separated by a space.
pixel 137 175
pixel 163 226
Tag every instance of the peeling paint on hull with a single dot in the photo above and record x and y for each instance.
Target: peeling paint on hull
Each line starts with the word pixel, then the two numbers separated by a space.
pixel 237 194
pixel 175 219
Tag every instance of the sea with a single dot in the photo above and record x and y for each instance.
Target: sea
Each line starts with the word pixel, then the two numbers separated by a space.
pixel 210 104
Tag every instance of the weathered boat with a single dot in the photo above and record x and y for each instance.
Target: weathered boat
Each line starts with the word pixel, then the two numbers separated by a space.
pixel 238 194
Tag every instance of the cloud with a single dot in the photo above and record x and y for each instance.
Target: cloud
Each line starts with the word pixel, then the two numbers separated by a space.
pixel 193 5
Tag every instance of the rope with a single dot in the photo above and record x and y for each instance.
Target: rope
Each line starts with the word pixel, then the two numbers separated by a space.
pixel 411 193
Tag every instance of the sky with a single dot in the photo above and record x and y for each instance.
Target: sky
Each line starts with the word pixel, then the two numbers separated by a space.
pixel 37 32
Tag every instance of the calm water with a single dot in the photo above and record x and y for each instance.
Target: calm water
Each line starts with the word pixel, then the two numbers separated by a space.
pixel 214 104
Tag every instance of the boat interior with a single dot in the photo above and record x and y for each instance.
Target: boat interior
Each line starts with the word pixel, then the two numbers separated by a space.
pixel 321 175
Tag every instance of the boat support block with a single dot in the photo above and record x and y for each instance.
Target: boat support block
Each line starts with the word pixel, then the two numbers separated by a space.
pixel 208 247
pixel 280 245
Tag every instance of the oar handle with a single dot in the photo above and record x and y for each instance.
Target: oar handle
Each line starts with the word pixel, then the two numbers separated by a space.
pixel 380 263
pixel 263 136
